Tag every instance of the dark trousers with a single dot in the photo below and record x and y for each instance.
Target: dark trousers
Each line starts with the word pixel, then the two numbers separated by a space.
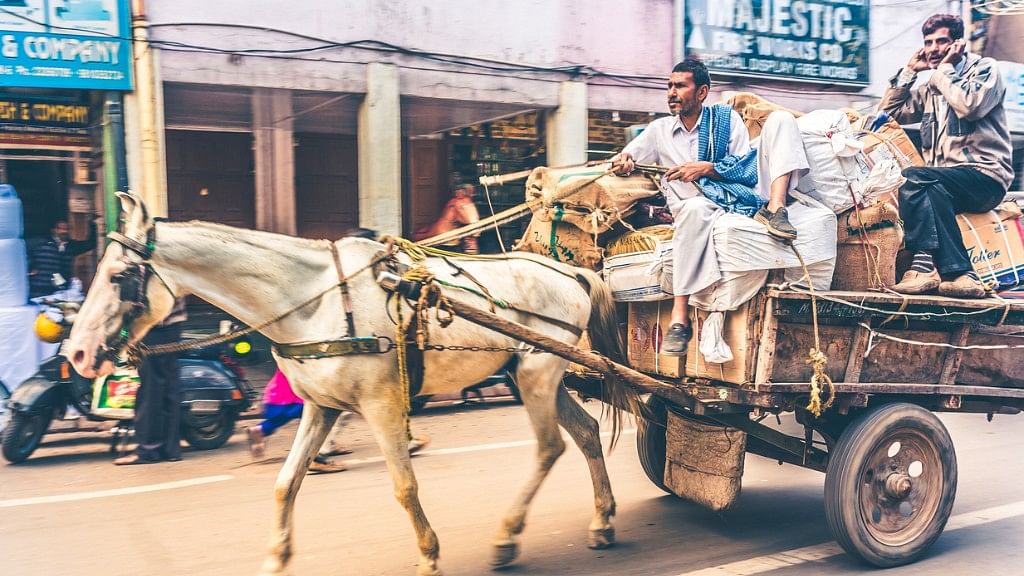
pixel 929 202
pixel 158 403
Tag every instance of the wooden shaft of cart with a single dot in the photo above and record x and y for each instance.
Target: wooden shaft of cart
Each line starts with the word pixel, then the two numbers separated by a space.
pixel 598 363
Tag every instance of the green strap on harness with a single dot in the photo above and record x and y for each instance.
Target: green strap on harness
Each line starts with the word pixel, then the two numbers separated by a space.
pixel 553 248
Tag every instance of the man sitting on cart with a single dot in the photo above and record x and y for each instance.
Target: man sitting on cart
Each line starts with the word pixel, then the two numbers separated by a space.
pixel 966 143
pixel 713 168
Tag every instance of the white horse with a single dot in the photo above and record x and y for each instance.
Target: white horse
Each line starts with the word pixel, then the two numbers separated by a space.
pixel 257 276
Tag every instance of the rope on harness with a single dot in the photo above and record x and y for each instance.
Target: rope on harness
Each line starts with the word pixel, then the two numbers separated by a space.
pixel 816 358
pixel 431 295
pixel 403 366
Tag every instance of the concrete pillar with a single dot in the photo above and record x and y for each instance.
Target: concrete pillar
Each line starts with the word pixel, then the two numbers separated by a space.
pixel 274 154
pixel 150 148
pixel 380 151
pixel 567 126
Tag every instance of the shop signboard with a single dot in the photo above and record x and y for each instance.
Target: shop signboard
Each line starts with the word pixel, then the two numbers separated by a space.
pixel 44 123
pixel 821 41
pixel 77 44
pixel 1013 101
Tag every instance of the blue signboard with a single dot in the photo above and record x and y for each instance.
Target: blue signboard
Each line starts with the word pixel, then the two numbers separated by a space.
pixel 80 44
pixel 823 41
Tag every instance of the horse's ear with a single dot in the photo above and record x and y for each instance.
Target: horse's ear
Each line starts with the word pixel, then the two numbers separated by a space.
pixel 134 210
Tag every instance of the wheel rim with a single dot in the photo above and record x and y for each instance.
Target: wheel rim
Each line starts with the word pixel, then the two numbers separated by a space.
pixel 901 486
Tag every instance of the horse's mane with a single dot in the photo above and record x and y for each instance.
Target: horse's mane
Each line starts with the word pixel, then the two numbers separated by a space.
pixel 249 235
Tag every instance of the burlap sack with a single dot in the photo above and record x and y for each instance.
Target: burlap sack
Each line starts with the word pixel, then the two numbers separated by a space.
pixel 755 110
pixel 868 241
pixel 582 197
pixel 561 242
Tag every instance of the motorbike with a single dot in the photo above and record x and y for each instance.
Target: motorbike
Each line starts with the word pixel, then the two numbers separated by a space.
pixel 213 386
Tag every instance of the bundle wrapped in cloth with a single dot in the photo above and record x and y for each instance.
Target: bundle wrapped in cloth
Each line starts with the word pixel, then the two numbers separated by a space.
pixel 578 206
pixel 586 196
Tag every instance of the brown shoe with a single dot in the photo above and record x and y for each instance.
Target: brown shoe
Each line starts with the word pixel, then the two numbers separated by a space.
pixel 963 286
pixel 915 282
pixel 257 442
pixel 321 465
pixel 418 443
pixel 777 223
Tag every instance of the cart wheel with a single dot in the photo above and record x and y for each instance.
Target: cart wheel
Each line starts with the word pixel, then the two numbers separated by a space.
pixel 890 485
pixel 650 441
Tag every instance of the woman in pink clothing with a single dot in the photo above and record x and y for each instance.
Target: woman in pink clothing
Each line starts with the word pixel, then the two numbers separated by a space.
pixel 281 406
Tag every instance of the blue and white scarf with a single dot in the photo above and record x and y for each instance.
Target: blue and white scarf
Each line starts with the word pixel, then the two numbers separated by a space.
pixel 735 191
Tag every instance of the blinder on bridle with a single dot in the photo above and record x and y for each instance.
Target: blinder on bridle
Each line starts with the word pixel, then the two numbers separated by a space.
pixel 132 284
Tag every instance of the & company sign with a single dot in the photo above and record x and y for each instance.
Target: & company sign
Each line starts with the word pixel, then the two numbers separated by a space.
pixel 77 44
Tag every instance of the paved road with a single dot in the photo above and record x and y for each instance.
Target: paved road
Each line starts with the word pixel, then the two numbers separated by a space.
pixel 68 511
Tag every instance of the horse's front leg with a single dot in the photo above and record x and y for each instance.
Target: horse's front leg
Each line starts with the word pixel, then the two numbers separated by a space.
pixel 316 422
pixel 538 378
pixel 387 420
pixel 585 431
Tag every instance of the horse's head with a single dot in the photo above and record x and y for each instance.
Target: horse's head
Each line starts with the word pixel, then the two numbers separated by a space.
pixel 127 296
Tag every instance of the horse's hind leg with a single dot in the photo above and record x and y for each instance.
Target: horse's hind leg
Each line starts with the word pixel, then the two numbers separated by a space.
pixel 538 378
pixel 316 422
pixel 387 421
pixel 586 433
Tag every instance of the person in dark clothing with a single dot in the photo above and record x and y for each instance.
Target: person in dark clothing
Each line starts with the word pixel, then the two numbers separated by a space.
pixel 158 402
pixel 965 140
pixel 50 259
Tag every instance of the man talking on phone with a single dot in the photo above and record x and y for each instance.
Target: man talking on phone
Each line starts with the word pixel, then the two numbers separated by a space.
pixel 966 144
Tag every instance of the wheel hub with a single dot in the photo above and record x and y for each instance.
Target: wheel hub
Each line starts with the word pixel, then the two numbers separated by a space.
pixel 898 486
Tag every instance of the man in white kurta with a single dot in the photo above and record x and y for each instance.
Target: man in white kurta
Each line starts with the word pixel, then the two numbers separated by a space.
pixel 672 142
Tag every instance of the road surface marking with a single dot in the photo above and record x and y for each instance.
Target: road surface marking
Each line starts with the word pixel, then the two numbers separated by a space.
pixel 796 556
pixel 467 449
pixel 114 492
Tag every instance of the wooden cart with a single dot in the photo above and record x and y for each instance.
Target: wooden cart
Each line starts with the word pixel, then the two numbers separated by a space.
pixel 889 463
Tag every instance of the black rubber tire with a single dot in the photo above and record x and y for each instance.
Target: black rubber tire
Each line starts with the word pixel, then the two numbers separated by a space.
pixel 650 441
pixel 23 435
pixel 214 434
pixel 850 480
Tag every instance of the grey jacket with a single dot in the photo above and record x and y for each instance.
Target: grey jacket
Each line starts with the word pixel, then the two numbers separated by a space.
pixel 974 133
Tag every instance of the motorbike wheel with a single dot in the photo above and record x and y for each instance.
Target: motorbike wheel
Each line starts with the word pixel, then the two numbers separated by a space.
pixel 209 433
pixel 23 435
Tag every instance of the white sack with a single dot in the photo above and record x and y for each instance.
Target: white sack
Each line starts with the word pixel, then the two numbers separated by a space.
pixel 712 341
pixel 13 273
pixel 19 347
pixel 743 244
pixel 12 224
pixel 885 177
pixel 638 276
pixel 836 157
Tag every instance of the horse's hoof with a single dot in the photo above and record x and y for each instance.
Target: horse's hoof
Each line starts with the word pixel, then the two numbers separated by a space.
pixel 504 554
pixel 273 567
pixel 428 571
pixel 601 539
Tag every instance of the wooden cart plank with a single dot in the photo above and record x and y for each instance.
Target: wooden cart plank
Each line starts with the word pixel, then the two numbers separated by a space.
pixel 766 348
pixel 851 306
pixel 855 362
pixel 951 363
pixel 900 388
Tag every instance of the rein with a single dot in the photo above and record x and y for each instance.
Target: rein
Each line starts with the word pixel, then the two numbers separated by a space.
pixel 140 350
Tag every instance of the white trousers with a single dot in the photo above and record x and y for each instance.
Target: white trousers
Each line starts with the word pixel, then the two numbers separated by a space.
pixel 694 261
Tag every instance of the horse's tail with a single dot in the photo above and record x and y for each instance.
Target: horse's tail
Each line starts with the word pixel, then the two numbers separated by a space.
pixel 605 338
